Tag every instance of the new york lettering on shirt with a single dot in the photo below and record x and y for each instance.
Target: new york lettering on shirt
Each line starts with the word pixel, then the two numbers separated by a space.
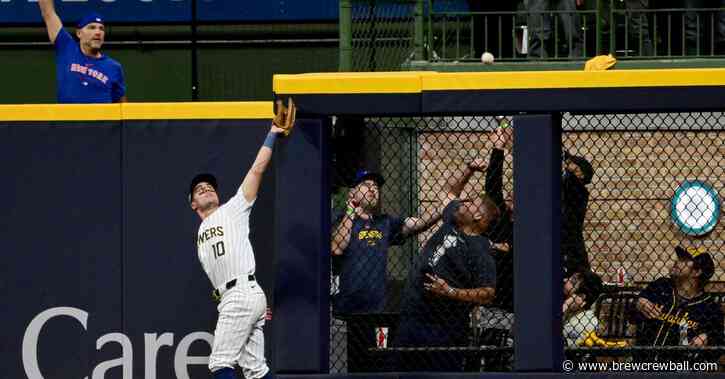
pixel 84 79
pixel 87 71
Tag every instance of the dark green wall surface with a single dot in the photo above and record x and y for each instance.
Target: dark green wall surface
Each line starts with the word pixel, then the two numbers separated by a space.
pixel 164 74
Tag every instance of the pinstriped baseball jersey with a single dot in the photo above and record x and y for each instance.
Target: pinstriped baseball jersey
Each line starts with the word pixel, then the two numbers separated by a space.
pixel 224 249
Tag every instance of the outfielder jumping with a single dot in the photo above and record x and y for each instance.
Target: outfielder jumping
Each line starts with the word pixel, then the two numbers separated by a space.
pixel 226 255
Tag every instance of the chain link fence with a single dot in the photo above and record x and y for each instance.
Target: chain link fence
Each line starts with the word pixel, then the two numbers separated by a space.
pixel 650 278
pixel 388 34
pixel 418 286
pixel 393 176
pixel 382 34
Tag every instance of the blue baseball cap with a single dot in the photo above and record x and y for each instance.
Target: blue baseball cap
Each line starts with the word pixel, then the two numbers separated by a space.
pixel 90 18
pixel 205 177
pixel 363 175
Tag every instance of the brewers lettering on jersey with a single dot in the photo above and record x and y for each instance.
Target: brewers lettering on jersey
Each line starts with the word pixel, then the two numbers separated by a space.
pixel 226 255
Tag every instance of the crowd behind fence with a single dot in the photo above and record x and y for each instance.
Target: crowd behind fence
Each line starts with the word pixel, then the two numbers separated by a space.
pixel 387 33
pixel 421 282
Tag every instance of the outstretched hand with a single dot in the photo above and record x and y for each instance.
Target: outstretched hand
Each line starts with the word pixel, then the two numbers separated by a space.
pixel 478 164
pixel 353 200
pixel 502 137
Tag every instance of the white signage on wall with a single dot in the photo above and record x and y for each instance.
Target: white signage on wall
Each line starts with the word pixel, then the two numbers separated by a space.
pixel 152 343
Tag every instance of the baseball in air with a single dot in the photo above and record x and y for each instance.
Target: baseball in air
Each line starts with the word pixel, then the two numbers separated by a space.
pixel 487 58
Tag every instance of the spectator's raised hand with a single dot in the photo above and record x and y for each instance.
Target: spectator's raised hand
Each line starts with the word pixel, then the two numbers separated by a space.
pixel 502 136
pixel 353 200
pixel 477 164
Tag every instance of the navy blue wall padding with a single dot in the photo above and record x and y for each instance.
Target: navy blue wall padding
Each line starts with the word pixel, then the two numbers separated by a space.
pixel 96 219
pixel 595 100
pixel 303 225
pixel 537 267
pixel 165 287
pixel 359 103
pixel 61 242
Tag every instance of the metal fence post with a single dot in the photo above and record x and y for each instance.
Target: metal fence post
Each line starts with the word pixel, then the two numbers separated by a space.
pixel 345 63
pixel 598 28
pixel 537 263
pixel 612 29
pixel 429 42
pixel 419 33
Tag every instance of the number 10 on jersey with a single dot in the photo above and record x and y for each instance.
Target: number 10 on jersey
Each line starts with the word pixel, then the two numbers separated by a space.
pixel 218 249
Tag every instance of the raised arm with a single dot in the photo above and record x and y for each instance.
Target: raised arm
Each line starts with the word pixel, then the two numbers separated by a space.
pixel 250 185
pixel 341 234
pixel 284 117
pixel 415 225
pixel 494 177
pixel 494 173
pixel 457 182
pixel 53 24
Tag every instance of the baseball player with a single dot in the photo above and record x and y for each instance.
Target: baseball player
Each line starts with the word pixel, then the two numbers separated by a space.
pixel 226 255
pixel 675 310
pixel 83 73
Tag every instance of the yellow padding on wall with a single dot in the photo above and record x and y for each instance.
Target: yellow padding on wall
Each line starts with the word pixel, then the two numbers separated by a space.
pixel 416 82
pixel 64 112
pixel 348 83
pixel 196 111
pixel 573 79
pixel 138 111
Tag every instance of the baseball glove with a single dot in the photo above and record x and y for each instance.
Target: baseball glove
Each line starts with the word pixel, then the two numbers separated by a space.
pixel 285 116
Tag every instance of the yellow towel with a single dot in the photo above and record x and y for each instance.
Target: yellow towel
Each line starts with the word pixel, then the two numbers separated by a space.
pixel 600 63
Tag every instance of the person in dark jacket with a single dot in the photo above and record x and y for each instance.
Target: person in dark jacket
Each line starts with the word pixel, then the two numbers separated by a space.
pixel 578 173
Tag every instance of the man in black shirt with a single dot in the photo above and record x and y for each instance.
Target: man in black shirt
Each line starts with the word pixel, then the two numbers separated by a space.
pixel 578 172
pixel 495 322
pixel 453 273
pixel 502 232
pixel 676 310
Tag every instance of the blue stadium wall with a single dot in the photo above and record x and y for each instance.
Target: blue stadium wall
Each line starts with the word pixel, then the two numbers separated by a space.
pixel 100 277
pixel 155 11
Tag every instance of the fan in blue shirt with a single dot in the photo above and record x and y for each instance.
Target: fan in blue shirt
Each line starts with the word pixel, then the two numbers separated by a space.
pixel 84 74
pixel 361 238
